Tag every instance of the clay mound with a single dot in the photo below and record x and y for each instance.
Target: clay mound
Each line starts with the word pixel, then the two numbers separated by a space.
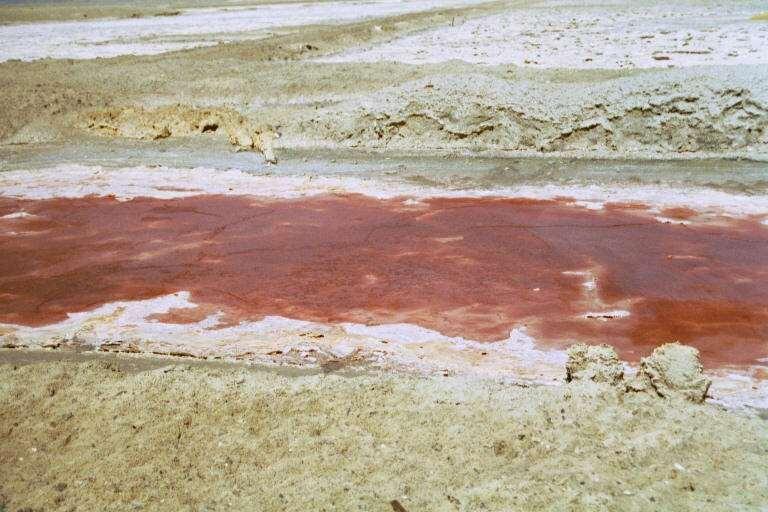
pixel 180 121
pixel 672 371
pixel 597 363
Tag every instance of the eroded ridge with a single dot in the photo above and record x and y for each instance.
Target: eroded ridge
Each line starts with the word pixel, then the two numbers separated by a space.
pixel 470 267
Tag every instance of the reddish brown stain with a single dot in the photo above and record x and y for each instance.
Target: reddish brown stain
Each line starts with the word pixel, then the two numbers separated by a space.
pixel 470 267
pixel 625 206
pixel 679 213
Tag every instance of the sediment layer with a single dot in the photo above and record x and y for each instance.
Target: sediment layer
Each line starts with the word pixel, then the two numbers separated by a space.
pixel 666 113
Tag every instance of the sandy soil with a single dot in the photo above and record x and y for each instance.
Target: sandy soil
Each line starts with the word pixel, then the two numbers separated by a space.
pixel 111 435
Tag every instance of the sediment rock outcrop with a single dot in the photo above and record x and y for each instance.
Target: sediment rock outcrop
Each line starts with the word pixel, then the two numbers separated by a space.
pixel 672 371
pixel 180 121
pixel 598 363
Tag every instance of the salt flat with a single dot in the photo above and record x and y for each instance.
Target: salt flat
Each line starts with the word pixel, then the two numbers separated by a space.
pixel 572 35
pixel 90 39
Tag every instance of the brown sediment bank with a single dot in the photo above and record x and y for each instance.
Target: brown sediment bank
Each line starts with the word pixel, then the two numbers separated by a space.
pixel 466 267
pixel 179 122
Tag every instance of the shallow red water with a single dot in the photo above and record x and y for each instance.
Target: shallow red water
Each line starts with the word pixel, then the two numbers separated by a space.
pixel 470 267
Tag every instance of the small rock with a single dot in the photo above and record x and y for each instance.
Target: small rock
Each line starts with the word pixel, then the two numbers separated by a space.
pixel 54 342
pixel 268 148
pixel 598 363
pixel 10 341
pixel 168 369
pixel 672 371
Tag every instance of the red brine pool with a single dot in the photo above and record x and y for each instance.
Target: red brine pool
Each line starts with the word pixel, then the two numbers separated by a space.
pixel 466 267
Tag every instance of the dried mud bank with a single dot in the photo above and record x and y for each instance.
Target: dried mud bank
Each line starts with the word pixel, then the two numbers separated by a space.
pixel 266 80
pixel 92 436
pixel 276 84
pixel 662 113
pixel 180 122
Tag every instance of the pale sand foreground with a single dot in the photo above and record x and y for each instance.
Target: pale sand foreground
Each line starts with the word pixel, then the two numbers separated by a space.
pixel 134 434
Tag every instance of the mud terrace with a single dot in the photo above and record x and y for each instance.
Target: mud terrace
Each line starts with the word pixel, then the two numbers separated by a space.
pixel 300 85
pixel 180 122
pixel 665 113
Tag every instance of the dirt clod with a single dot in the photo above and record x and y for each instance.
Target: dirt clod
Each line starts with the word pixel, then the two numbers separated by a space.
pixel 597 363
pixel 672 371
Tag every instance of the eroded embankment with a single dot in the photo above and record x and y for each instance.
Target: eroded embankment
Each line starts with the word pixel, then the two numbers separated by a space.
pixel 668 112
pixel 44 99
pixel 475 268
pixel 180 121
